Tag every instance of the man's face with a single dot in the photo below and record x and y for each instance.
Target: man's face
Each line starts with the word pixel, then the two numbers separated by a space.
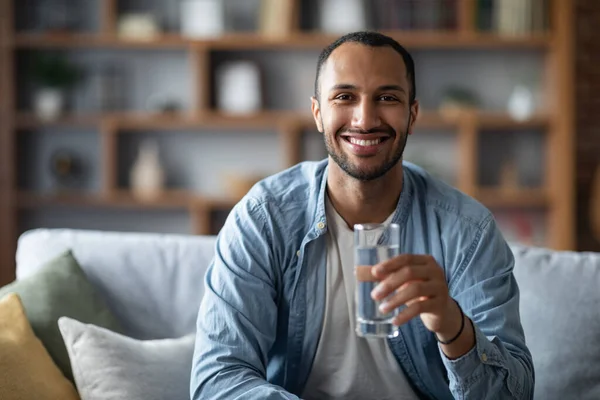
pixel 363 109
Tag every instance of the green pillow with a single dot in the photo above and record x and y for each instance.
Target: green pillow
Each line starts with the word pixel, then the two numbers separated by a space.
pixel 60 289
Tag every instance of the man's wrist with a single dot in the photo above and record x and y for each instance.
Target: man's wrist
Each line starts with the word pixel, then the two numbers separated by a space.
pixel 452 330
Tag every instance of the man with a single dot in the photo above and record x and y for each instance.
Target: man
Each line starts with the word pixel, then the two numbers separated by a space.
pixel 276 321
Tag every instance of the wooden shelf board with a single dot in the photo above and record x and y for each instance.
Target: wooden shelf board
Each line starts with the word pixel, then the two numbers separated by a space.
pixel 118 199
pixel 308 40
pixel 499 120
pixel 30 121
pixel 518 198
pixel 137 121
pixel 141 121
pixel 148 121
pixel 220 203
pixel 171 199
pixel 78 40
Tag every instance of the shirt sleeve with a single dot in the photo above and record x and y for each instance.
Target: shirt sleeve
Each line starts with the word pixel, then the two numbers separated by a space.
pixel 500 364
pixel 236 323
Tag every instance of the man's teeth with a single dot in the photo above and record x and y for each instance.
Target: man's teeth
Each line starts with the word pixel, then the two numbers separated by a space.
pixel 361 142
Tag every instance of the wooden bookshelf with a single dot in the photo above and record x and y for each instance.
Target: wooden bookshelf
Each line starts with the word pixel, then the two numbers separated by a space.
pixel 28 120
pixel 117 199
pixel 555 198
pixel 314 41
pixel 143 121
pixel 8 224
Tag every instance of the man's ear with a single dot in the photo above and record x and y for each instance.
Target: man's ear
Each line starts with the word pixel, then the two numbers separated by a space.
pixel 414 114
pixel 315 107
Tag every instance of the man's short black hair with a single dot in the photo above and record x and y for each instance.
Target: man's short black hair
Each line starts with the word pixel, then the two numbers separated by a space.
pixel 373 39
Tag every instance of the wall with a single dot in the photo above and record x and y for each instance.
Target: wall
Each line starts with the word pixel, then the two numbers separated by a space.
pixel 587 95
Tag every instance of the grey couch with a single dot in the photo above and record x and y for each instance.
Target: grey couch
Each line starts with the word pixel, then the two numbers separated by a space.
pixel 154 284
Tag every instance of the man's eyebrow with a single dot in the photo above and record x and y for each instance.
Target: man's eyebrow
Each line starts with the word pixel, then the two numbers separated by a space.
pixel 343 86
pixel 391 87
pixel 348 86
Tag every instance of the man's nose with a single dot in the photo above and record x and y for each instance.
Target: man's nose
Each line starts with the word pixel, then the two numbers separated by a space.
pixel 365 116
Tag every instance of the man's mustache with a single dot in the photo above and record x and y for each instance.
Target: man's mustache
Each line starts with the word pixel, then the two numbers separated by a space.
pixel 386 130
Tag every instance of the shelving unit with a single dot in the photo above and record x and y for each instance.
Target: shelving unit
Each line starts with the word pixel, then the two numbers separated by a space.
pixel 554 197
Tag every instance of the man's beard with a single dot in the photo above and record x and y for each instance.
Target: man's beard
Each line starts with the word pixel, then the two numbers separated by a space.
pixel 355 172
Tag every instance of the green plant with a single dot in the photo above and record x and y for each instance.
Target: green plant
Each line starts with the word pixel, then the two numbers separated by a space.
pixel 461 96
pixel 54 71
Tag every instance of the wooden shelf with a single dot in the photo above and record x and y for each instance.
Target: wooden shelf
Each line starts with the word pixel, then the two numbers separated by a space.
pixel 91 40
pixel 141 121
pixel 30 121
pixel 220 203
pixel 120 199
pixel 147 121
pixel 518 198
pixel 499 120
pixel 171 199
pixel 137 121
pixel 241 41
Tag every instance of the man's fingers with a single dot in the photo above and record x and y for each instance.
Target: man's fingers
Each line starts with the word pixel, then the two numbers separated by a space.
pixel 415 309
pixel 412 293
pixel 401 261
pixel 399 278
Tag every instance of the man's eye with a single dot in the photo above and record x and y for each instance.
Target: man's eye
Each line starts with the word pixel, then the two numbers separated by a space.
pixel 388 98
pixel 343 97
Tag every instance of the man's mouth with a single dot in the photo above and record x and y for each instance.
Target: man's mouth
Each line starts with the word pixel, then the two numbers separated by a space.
pixel 365 142
pixel 365 145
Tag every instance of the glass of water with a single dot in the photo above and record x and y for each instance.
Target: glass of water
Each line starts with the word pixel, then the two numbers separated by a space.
pixel 373 244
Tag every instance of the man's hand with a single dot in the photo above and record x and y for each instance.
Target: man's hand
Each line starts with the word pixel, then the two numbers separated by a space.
pixel 418 282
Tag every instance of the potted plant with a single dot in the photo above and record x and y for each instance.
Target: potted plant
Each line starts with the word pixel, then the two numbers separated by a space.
pixel 53 75
pixel 457 99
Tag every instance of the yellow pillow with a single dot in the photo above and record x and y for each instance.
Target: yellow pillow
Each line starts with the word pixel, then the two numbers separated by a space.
pixel 26 369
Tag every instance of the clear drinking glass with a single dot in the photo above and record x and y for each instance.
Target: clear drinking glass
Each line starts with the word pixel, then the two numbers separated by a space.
pixel 373 243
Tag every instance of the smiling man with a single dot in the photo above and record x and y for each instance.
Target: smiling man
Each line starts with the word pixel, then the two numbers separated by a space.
pixel 277 319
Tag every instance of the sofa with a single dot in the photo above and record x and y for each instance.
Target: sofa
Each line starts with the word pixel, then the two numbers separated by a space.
pixel 153 283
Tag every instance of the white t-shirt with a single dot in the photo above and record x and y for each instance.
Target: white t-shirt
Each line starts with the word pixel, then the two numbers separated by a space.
pixel 347 366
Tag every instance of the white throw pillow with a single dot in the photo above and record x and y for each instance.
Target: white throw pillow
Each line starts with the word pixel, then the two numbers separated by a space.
pixel 107 365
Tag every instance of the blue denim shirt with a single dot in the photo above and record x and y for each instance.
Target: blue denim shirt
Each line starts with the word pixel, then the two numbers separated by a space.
pixel 262 312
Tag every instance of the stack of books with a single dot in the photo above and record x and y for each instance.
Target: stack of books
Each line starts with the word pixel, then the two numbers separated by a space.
pixel 513 17
pixel 424 15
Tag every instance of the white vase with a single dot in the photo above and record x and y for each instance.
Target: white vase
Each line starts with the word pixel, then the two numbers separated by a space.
pixel 342 16
pixel 48 103
pixel 520 104
pixel 147 175
pixel 239 88
pixel 202 18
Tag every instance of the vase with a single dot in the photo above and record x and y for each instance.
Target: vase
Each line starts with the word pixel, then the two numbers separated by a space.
pixel 520 104
pixel 147 175
pixel 239 88
pixel 202 18
pixel 342 16
pixel 48 103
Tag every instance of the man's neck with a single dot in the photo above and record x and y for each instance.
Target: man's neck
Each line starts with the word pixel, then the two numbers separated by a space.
pixel 360 202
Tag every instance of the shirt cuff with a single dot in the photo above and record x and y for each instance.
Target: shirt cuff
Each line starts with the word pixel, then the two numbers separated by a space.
pixel 465 367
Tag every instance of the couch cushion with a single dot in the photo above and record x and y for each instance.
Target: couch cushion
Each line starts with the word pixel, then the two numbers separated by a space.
pixel 109 366
pixel 153 283
pixel 60 288
pixel 560 312
pixel 26 369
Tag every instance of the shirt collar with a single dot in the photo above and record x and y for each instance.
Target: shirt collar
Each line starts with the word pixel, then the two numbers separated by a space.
pixel 400 214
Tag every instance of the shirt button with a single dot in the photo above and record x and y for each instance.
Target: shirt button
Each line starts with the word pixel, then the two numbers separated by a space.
pixel 298 253
pixel 484 357
pixel 321 225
